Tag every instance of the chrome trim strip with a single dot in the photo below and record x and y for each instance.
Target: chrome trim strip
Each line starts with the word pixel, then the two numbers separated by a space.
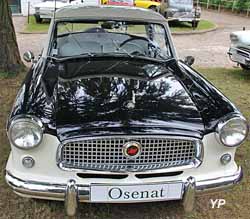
pixel 199 153
pixel 242 51
pixel 196 163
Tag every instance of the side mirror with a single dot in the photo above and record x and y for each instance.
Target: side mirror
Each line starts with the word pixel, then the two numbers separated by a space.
pixel 189 60
pixel 28 56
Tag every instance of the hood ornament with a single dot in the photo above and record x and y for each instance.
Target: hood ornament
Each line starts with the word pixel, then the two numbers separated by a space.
pixel 131 103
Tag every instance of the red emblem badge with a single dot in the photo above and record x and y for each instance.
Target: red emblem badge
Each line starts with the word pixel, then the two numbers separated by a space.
pixel 132 149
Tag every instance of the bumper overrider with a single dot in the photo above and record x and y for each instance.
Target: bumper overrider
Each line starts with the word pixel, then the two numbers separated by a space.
pixel 72 193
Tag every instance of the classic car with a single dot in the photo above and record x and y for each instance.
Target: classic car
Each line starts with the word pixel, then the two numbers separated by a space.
pixel 46 8
pixel 181 10
pixel 239 51
pixel 109 114
pixel 148 4
pixel 153 5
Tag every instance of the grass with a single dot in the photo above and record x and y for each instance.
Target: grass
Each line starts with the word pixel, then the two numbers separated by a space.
pixel 4 75
pixel 33 27
pixel 234 83
pixel 184 26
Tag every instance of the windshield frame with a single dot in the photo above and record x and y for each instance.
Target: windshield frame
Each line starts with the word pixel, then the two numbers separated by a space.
pixel 164 25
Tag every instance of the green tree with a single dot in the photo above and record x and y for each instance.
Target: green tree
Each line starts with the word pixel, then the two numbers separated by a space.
pixel 241 5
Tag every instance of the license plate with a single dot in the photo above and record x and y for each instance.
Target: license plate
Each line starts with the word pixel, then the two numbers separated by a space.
pixel 136 193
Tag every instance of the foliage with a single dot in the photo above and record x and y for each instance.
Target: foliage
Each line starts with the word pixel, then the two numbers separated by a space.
pixel 240 5
pixel 184 26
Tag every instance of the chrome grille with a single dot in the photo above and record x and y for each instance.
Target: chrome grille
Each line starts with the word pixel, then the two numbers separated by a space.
pixel 244 52
pixel 107 153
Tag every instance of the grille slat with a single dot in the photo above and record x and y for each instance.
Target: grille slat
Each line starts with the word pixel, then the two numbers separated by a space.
pixel 107 153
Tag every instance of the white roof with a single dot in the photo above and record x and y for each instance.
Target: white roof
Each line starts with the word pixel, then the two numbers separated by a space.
pixel 109 13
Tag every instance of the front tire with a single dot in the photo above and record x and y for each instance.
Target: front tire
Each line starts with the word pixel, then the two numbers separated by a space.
pixel 38 19
pixel 245 67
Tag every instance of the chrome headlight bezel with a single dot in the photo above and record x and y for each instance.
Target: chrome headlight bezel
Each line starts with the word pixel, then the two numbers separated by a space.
pixel 28 119
pixel 224 123
pixel 234 38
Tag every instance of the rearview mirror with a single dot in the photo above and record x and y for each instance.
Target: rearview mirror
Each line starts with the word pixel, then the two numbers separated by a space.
pixel 189 60
pixel 28 56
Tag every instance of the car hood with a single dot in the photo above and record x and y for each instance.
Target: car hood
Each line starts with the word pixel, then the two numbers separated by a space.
pixel 108 97
pixel 243 38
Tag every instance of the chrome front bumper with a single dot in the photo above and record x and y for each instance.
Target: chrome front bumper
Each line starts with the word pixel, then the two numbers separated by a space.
pixel 240 56
pixel 73 193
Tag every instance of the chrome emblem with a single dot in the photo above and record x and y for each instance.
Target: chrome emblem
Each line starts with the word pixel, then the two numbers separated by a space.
pixel 132 149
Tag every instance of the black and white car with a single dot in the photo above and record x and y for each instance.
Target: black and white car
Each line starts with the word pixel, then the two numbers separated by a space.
pixel 109 114
pixel 239 51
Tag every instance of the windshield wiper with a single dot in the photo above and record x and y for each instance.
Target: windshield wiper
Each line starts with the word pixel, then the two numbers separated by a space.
pixel 64 58
pixel 115 54
pixel 118 48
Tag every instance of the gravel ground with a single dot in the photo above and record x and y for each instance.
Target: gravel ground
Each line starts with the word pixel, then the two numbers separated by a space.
pixel 209 49
pixel 32 42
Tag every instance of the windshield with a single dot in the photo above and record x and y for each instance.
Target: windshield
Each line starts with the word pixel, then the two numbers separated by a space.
pixel 102 38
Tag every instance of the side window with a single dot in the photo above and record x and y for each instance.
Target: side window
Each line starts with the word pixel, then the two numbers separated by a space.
pixel 160 39
pixel 157 35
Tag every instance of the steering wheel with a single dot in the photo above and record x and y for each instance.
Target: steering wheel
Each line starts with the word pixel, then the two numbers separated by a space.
pixel 141 49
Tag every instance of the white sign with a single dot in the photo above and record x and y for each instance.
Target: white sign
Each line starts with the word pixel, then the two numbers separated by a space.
pixel 136 193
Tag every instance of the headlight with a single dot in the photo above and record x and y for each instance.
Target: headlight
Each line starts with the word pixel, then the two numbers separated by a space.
pixel 234 38
pixel 232 132
pixel 26 132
